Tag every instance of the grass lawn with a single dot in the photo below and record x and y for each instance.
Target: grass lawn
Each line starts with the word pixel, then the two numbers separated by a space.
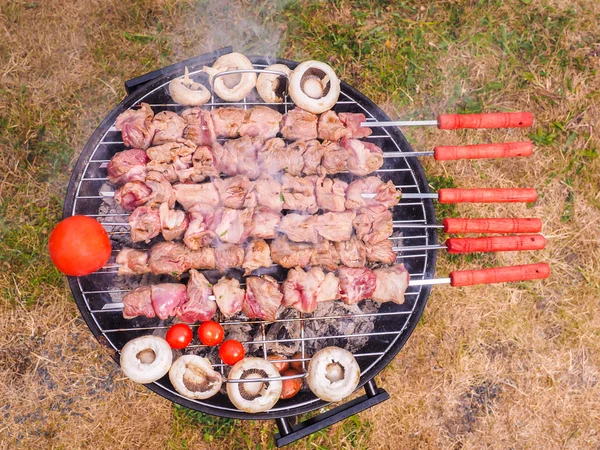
pixel 499 366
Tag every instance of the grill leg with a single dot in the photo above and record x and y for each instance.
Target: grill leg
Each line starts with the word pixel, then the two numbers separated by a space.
pixel 289 433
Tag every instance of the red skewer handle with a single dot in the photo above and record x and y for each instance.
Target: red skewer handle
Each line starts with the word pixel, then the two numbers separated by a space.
pixel 490 120
pixel 496 244
pixel 459 226
pixel 500 274
pixel 510 195
pixel 482 151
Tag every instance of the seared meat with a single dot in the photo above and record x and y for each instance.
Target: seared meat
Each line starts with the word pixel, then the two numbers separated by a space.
pixel 356 284
pixel 352 252
pixel 365 158
pixel 260 121
pixel 199 126
pixel 312 157
pixel 289 254
pixel 201 229
pixel 201 259
pixel 335 226
pixel 227 121
pixel 331 127
pixel 189 194
pixel 329 289
pixel 385 193
pixel 373 224
pixel 169 127
pixel 229 296
pixel 268 192
pixel 144 224
pixel 128 165
pixel 331 194
pixel 236 192
pixel 198 307
pixel 166 169
pixel 391 284
pixel 173 222
pixel 264 222
pixel 381 252
pixel 299 228
pixel 352 123
pixel 272 157
pixel 166 297
pixel 300 288
pixel 132 262
pixel 299 193
pixel 171 151
pixel 235 225
pixel 295 160
pixel 162 191
pixel 262 298
pixel 138 302
pixel 325 255
pixel 228 256
pixel 335 158
pixel 136 126
pixel 132 194
pixel 258 254
pixel 168 258
pixel 298 124
pixel 203 164
pixel 238 157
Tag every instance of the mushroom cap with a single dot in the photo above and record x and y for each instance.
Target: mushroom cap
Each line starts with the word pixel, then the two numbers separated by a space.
pixel 193 377
pixel 262 398
pixel 268 84
pixel 231 61
pixel 333 374
pixel 185 91
pixel 135 362
pixel 323 87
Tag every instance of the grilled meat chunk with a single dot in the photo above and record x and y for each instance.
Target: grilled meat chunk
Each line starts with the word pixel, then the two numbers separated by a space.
pixel 356 284
pixel 196 167
pixel 171 151
pixel 290 254
pixel 352 252
pixel 329 289
pixel 138 302
pixel 391 284
pixel 335 158
pixel 166 169
pixel 260 121
pixel 136 126
pixel 144 224
pixel 132 194
pixel 168 258
pixel 198 307
pixel 385 193
pixel 331 194
pixel 166 297
pixel 227 121
pixel 272 157
pixel 132 262
pixel 263 298
pixel 312 156
pixel 238 157
pixel 258 254
pixel 299 227
pixel 300 288
pixel 235 225
pixel 228 256
pixel 299 193
pixel 173 223
pixel 188 195
pixel 199 126
pixel 264 223
pixel 373 224
pixel 162 191
pixel 202 226
pixel 331 127
pixel 325 255
pixel 128 165
pixel 229 296
pixel 236 192
pixel 365 158
pixel 268 192
pixel 352 123
pixel 335 226
pixel 298 124
pixel 169 127
pixel 381 252
pixel 295 160
pixel 201 259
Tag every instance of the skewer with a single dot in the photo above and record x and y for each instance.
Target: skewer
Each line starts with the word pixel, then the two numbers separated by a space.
pixel 458 278
pixel 479 195
pixel 459 121
pixel 460 226
pixel 479 151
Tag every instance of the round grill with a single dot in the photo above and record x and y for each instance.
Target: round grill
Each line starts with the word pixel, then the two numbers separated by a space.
pixel 390 324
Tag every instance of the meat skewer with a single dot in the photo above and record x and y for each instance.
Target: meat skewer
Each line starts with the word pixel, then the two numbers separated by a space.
pixel 478 195
pixel 478 151
pixel 461 121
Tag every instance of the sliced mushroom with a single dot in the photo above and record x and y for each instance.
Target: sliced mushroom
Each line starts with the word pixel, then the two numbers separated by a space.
pixel 254 396
pixel 314 87
pixel 272 87
pixel 333 374
pixel 193 377
pixel 146 359
pixel 234 87
pixel 186 91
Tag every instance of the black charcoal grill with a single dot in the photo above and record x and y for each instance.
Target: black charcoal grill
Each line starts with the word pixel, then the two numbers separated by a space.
pixel 375 333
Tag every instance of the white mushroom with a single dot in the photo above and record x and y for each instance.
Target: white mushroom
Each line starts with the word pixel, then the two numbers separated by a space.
pixel 193 377
pixel 314 87
pixel 146 359
pixel 234 87
pixel 186 91
pixel 254 396
pixel 333 374
pixel 271 87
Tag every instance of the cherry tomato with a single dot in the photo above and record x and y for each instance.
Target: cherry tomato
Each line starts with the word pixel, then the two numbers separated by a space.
pixel 211 333
pixel 231 351
pixel 79 246
pixel 179 335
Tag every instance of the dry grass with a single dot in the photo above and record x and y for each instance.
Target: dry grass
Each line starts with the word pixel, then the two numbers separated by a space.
pixel 509 366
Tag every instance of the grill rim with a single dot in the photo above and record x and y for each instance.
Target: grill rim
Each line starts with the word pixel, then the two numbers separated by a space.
pixel 396 135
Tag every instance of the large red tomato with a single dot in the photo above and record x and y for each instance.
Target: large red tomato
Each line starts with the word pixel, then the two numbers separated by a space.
pixel 79 246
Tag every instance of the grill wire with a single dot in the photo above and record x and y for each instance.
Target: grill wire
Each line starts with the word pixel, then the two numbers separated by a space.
pixel 99 289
